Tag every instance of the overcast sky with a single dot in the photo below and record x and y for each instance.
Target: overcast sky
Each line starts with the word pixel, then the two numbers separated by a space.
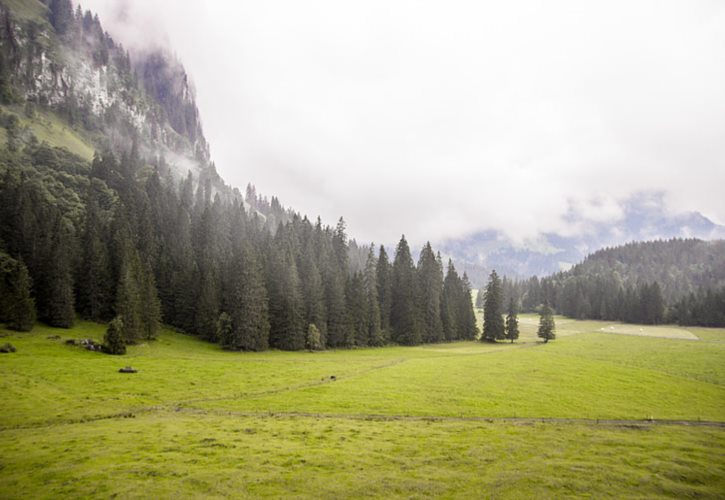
pixel 440 119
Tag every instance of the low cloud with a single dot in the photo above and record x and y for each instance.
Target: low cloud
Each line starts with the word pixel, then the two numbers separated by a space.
pixel 440 120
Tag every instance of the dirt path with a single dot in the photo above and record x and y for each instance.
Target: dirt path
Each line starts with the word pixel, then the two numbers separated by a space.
pixel 376 418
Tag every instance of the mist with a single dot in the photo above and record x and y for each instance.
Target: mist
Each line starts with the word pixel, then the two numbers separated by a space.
pixel 440 121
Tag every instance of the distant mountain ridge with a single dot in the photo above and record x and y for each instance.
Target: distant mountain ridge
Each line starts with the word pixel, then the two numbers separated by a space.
pixel 645 218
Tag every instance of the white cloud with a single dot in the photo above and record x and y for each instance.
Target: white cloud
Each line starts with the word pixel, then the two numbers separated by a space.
pixel 440 119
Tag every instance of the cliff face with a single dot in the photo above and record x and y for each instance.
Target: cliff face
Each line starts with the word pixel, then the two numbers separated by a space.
pixel 62 60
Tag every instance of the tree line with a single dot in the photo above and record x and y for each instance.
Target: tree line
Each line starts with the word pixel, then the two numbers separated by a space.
pixel 677 281
pixel 126 239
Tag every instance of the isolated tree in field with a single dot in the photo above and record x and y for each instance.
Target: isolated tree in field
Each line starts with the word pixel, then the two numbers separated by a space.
pixel 512 322
pixel 493 323
pixel 403 319
pixel 546 324
pixel 113 339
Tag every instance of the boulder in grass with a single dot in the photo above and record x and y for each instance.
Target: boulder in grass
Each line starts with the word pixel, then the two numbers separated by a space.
pixel 7 347
pixel 127 369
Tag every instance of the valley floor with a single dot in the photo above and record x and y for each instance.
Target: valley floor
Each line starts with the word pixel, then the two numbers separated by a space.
pixel 593 413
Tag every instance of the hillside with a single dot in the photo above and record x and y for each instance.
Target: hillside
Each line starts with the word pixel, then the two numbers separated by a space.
pixel 643 282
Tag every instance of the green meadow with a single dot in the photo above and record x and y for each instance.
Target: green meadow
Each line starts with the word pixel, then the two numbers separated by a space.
pixel 605 410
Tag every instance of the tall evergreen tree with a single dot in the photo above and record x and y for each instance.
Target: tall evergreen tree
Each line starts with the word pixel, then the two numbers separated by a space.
pixel 547 327
pixel 450 298
pixel 357 311
pixel 150 312
pixel 17 307
pixel 493 323
pixel 286 309
pixel 94 287
pixel 429 288
pixel 403 319
pixel 512 322
pixel 248 305
pixel 372 313
pixel 466 317
pixel 58 289
pixel 208 305
pixel 384 274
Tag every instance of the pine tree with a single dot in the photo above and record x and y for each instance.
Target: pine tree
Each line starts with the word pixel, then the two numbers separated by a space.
pixel 429 288
pixel 150 312
pixel 248 306
pixel 356 311
pixel 493 323
pixel 207 310
pixel 512 322
pixel 465 313
pixel 286 309
pixel 546 324
pixel 58 289
pixel 313 342
pixel 128 303
pixel 313 292
pixel 450 298
pixel 113 340
pixel 403 319
pixel 225 332
pixel 17 307
pixel 384 273
pixel 94 287
pixel 372 313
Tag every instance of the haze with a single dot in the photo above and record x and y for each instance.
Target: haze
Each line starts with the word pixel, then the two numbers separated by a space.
pixel 441 119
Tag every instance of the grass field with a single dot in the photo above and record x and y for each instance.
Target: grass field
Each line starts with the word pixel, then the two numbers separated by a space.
pixel 568 418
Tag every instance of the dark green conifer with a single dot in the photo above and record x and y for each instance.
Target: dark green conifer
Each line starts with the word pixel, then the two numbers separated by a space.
pixel 113 340
pixel 512 322
pixel 403 314
pixel 372 314
pixel 225 332
pixel 384 274
pixel 450 298
pixel 466 315
pixel 429 288
pixel 493 323
pixel 313 341
pixel 546 324
pixel 17 307
pixel 249 308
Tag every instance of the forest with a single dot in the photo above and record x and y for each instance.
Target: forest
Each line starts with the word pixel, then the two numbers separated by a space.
pixel 665 281
pixel 125 239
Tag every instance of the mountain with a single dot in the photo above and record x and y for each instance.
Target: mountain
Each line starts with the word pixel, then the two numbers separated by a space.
pixel 645 217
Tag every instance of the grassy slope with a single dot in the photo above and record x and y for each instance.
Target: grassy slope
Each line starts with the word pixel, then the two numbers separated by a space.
pixel 202 424
pixel 27 9
pixel 48 127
